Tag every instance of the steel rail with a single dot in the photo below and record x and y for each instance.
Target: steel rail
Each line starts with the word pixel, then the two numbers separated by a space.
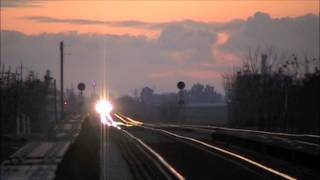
pixel 224 151
pixel 157 159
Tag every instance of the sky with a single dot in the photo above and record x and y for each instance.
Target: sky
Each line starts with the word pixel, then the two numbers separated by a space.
pixel 152 43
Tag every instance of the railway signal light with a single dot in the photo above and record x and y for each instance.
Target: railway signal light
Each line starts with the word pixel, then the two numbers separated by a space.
pixel 181 85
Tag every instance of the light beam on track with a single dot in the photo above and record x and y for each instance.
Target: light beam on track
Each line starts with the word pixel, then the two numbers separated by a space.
pixel 252 162
pixel 224 151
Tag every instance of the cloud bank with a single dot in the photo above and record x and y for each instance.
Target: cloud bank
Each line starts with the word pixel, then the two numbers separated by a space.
pixel 128 23
pixel 185 50
pixel 20 3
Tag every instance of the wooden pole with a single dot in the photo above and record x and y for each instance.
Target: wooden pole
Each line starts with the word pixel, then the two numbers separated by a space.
pixel 61 81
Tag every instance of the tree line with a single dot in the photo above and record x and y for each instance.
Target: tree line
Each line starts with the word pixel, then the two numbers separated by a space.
pixel 276 98
pixel 148 105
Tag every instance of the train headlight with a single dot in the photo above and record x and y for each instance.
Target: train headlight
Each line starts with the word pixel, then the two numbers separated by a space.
pixel 104 107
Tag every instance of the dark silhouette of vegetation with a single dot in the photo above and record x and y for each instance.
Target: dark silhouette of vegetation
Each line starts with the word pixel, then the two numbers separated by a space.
pixel 146 95
pixel 203 94
pixel 24 99
pixel 283 98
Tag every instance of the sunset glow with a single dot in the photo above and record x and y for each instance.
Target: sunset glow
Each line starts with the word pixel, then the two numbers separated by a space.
pixel 160 41
pixel 13 18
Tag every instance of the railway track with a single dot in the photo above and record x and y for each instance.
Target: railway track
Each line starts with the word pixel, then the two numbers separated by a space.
pixel 159 152
pixel 144 162
pixel 198 162
pixel 307 139
pixel 197 159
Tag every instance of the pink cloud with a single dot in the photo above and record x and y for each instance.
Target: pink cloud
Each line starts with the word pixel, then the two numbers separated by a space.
pixel 222 56
pixel 204 74
pixel 181 56
pixel 161 75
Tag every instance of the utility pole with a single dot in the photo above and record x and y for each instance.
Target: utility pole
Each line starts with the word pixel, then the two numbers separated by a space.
pixel 306 65
pixel 21 73
pixel 61 81
pixel 55 101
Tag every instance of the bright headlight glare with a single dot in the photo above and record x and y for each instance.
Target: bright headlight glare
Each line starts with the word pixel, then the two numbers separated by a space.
pixel 104 107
